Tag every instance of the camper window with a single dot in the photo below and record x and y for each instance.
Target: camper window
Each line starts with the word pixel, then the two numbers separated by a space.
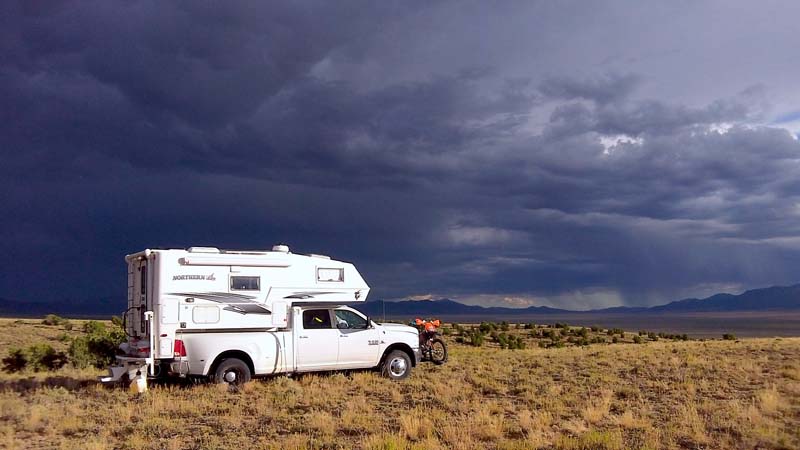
pixel 245 283
pixel 316 319
pixel 324 274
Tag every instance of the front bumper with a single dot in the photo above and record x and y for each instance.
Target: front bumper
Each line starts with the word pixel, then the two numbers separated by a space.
pixel 417 355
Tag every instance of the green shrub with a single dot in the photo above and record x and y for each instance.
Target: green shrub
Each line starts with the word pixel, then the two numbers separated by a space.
pixel 94 327
pixel 637 339
pixel 16 360
pixel 52 319
pixel 67 325
pixel 79 354
pixel 44 357
pixel 552 335
pixel 487 327
pixel 729 337
pixel 476 338
pixel 614 340
pixel 508 341
pixel 98 347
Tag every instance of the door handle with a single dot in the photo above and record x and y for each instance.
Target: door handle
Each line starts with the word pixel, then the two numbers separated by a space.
pixel 302 337
pixel 343 335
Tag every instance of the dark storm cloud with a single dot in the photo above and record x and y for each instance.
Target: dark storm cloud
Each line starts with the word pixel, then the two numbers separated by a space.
pixel 608 89
pixel 376 135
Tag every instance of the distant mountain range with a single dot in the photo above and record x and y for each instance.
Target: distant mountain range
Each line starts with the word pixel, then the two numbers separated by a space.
pixel 776 298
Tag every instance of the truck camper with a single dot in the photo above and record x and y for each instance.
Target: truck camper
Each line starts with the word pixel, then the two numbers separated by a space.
pixel 232 315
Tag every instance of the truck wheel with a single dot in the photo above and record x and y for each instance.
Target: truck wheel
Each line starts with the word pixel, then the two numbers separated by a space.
pixel 396 366
pixel 232 371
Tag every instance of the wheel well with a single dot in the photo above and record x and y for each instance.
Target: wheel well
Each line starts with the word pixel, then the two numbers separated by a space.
pixel 238 354
pixel 399 346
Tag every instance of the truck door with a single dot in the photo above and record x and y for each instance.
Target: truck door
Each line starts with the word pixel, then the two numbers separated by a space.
pixel 317 341
pixel 359 345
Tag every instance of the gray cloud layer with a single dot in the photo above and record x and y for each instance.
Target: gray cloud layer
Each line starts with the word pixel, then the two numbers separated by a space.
pixel 534 153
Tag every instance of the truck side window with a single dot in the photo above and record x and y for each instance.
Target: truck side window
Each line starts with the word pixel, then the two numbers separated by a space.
pixel 316 319
pixel 350 319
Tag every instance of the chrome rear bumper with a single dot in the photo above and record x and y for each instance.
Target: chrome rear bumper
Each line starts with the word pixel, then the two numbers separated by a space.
pixel 125 365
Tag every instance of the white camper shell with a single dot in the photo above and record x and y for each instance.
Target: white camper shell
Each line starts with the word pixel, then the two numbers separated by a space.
pixel 229 315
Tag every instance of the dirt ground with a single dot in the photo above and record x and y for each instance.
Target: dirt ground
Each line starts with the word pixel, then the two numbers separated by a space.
pixel 657 394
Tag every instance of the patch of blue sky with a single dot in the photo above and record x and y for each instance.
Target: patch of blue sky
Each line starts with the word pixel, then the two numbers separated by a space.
pixel 788 117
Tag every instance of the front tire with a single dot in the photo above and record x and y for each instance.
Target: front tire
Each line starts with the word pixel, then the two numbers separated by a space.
pixel 396 365
pixel 438 351
pixel 232 371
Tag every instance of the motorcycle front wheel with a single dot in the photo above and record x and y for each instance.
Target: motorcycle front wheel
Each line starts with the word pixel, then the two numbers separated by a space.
pixel 438 351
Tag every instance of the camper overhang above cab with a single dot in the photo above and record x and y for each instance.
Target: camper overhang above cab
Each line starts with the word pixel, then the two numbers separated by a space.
pixel 249 276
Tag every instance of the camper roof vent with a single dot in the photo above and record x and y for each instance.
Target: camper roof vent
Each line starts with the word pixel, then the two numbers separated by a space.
pixel 280 248
pixel 314 255
pixel 203 250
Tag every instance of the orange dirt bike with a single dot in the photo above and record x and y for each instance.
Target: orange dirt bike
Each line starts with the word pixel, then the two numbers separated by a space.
pixel 430 344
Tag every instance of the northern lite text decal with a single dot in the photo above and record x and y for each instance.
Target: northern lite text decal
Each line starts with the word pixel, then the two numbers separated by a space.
pixel 209 277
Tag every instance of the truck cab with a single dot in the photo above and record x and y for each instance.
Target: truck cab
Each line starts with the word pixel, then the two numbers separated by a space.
pixel 357 341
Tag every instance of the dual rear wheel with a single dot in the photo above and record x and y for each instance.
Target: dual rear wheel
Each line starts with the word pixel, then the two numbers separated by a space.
pixel 232 371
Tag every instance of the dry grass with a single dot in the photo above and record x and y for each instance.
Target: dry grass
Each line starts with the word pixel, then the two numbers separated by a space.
pixel 660 395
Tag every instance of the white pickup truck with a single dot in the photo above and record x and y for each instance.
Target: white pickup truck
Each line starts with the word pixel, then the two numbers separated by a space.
pixel 233 315
pixel 321 338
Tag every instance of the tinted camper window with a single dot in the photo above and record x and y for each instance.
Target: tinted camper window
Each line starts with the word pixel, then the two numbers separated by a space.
pixel 246 283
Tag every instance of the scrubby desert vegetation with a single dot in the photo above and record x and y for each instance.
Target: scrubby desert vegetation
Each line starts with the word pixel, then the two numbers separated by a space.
pixel 580 394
